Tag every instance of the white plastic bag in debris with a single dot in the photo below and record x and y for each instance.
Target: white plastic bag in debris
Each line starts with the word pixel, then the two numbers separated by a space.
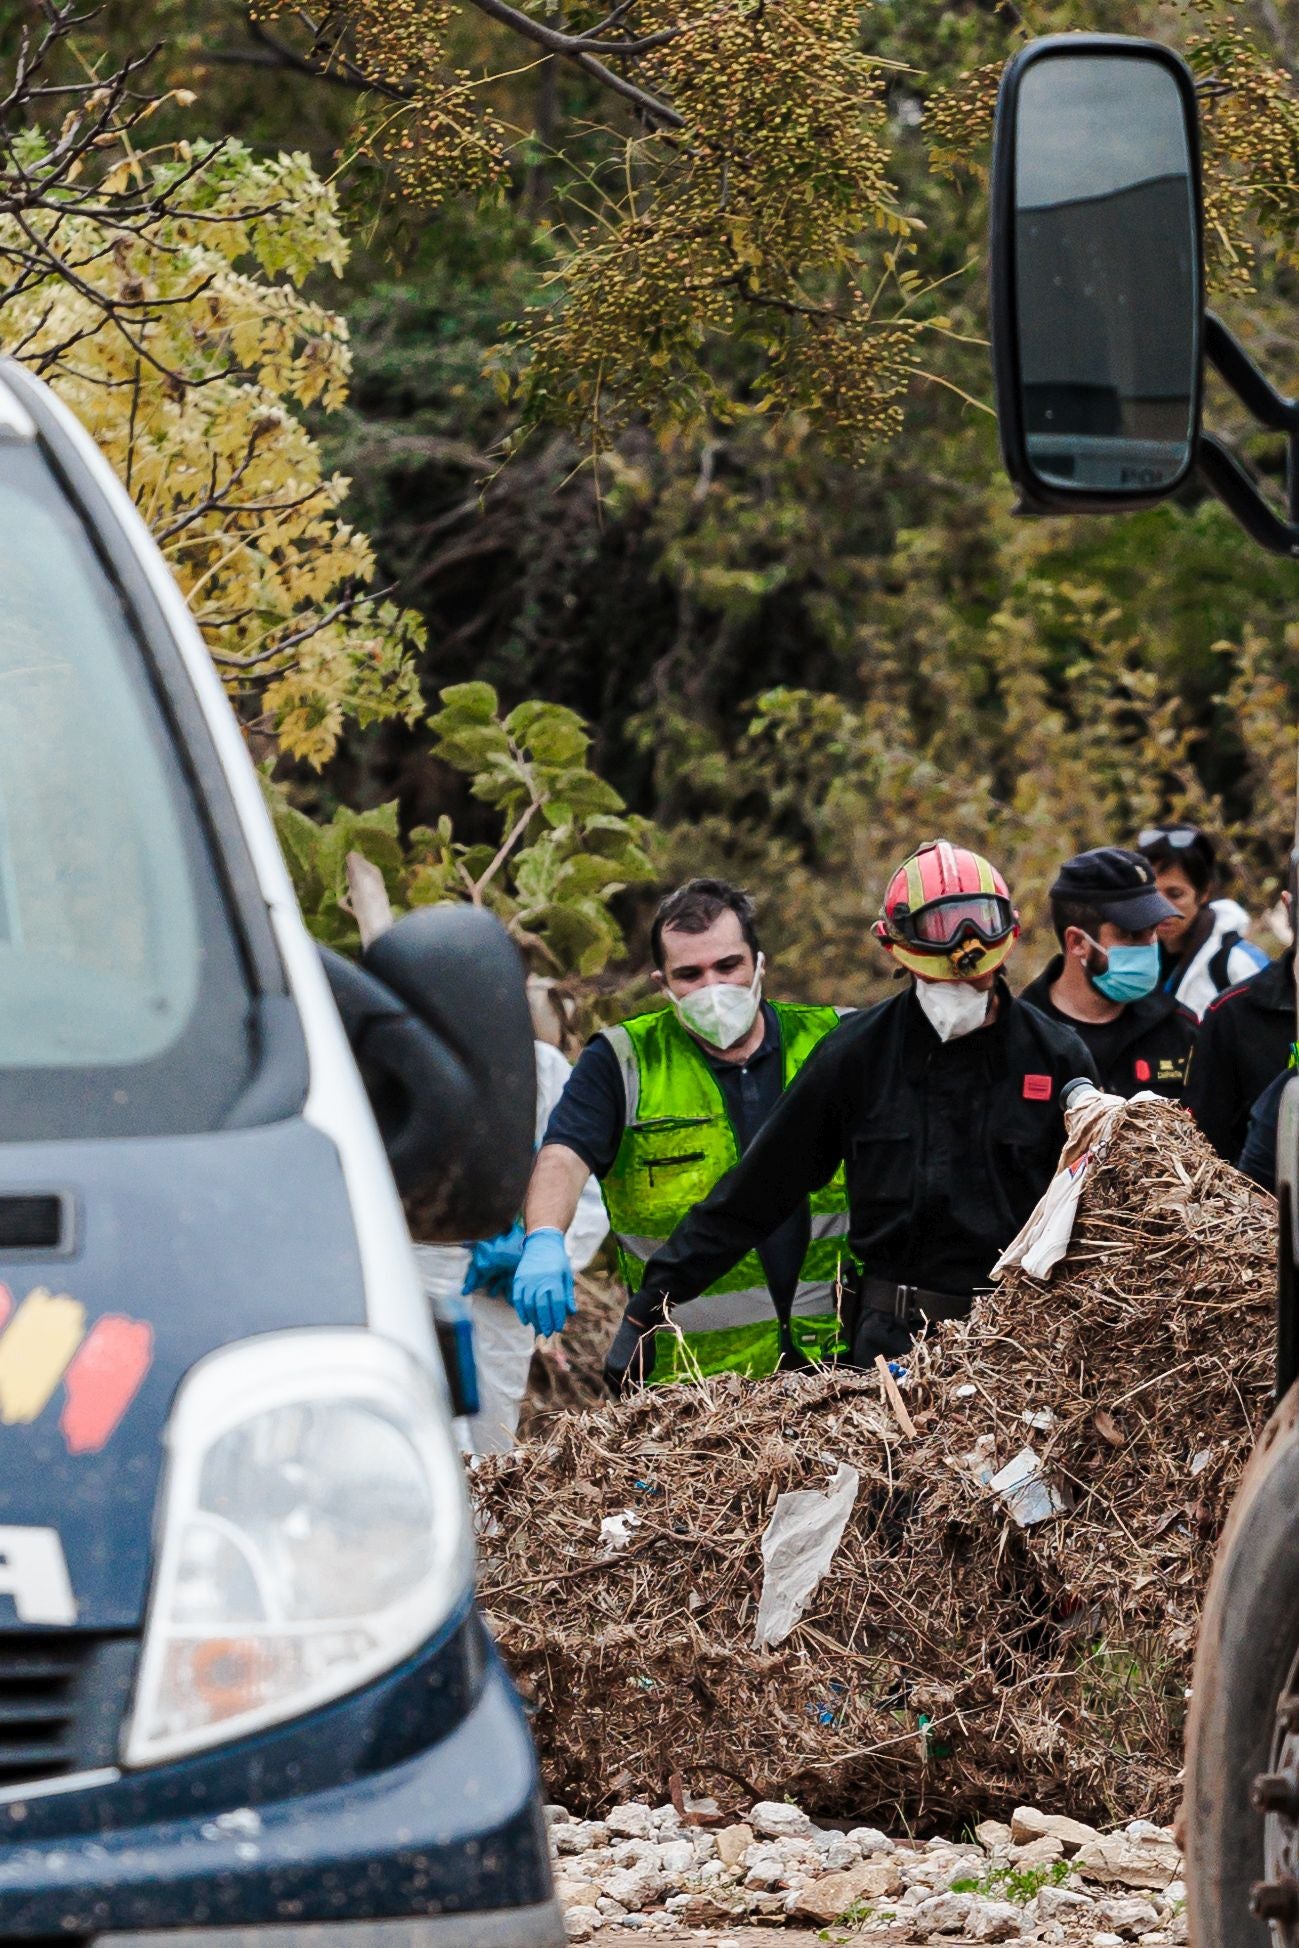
pixel 798 1547
pixel 1044 1240
pixel 1025 1490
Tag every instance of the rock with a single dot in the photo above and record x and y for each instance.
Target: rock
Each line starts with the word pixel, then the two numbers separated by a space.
pixel 705 1911
pixel 634 1887
pixel 676 1857
pixel 775 1819
pixel 823 1901
pixel 793 1856
pixel 935 1871
pixel 1061 1903
pixel 667 1821
pixel 580 1836
pixel 636 1853
pixel 570 1891
pixel 994 1920
pixel 733 1842
pixel 612 1910
pixel 1175 1893
pixel 1027 1824
pixel 580 1923
pixel 869 1839
pixel 1106 1940
pixel 704 1844
pixel 631 1822
pixel 714 1871
pixel 837 1852
pixel 1118 1861
pixel 1038 1853
pixel 991 1834
pixel 557 1815
pixel 763 1868
pixel 1144 1829
pixel 1125 1917
pixel 942 1914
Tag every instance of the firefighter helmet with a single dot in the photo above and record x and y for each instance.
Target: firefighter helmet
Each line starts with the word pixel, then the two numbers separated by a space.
pixel 947 914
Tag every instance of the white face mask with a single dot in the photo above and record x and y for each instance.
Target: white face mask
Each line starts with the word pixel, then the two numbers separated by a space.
pixel 721 1013
pixel 953 1008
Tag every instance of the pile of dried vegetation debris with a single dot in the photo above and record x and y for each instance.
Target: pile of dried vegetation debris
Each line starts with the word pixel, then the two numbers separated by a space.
pixel 1010 1604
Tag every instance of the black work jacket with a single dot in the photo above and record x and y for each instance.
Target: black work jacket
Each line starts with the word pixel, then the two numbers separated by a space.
pixel 948 1146
pixel 1146 1047
pixel 1244 1041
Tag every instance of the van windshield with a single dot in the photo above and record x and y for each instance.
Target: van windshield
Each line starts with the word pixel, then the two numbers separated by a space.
pixel 123 1006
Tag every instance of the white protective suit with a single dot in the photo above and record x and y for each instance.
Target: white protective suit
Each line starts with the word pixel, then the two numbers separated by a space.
pixel 1212 970
pixel 503 1345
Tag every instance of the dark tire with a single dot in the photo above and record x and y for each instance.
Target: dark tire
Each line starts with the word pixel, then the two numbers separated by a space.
pixel 1247 1660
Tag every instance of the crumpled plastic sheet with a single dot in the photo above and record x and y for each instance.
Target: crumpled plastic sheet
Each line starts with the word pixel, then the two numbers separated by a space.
pixel 798 1547
pixel 1044 1240
pixel 1025 1490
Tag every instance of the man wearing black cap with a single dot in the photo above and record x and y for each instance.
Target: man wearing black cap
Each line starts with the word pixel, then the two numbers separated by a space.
pixel 1105 908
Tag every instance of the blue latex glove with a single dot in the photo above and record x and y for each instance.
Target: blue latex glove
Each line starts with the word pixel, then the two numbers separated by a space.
pixel 542 1294
pixel 494 1261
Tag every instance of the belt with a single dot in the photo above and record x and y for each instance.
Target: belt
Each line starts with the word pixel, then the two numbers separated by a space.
pixel 910 1301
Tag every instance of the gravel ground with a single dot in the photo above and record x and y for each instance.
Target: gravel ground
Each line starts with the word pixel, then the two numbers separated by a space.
pixel 647 1874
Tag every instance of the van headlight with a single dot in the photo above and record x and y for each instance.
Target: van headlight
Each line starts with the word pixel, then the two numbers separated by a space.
pixel 315 1531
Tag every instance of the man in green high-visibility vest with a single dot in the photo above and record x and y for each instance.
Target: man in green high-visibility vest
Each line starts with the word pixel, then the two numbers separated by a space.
pixel 660 1108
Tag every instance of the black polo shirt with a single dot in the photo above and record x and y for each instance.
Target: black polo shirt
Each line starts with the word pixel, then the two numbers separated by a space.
pixel 1244 1041
pixel 1147 1046
pixel 590 1117
pixel 948 1146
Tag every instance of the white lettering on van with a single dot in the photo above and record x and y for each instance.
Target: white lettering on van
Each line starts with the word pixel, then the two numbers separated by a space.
pixel 34 1572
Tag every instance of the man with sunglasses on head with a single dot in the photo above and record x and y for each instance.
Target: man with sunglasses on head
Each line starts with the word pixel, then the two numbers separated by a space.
pixel 1104 982
pixel 941 1105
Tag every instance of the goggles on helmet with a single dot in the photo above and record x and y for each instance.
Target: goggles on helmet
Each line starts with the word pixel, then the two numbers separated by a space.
pixel 943 924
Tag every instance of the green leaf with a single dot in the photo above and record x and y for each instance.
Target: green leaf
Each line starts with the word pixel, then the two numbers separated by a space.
pixel 466 703
pixel 472 747
pixel 554 735
pixel 587 793
pixel 536 872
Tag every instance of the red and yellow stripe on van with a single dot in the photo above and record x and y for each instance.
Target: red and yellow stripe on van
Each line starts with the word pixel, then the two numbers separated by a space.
pixel 44 1343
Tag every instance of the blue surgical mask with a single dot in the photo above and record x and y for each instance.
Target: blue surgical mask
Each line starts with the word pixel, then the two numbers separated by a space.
pixel 1133 972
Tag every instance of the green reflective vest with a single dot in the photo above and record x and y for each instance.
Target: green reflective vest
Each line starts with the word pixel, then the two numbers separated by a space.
pixel 677 1142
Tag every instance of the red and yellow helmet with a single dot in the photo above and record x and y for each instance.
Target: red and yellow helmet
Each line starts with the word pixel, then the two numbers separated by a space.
pixel 947 914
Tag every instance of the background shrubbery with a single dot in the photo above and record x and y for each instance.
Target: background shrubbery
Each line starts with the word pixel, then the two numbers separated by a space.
pixel 620 403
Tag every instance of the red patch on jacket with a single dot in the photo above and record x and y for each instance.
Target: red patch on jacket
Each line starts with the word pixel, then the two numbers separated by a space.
pixel 1038 1088
pixel 1141 1069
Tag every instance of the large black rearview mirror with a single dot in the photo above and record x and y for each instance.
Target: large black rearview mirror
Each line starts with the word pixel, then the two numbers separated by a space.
pixel 1097 303
pixel 437 1015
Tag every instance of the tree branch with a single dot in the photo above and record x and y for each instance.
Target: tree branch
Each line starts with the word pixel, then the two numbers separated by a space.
pixel 271 52
pixel 573 47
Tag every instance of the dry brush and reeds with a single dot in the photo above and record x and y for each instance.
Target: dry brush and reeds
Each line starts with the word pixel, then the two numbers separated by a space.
pixel 952 1662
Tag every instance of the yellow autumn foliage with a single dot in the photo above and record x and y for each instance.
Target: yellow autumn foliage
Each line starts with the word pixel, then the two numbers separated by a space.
pixel 185 344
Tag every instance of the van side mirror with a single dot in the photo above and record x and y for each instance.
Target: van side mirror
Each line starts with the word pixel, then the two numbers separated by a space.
pixel 1096 272
pixel 437 1015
